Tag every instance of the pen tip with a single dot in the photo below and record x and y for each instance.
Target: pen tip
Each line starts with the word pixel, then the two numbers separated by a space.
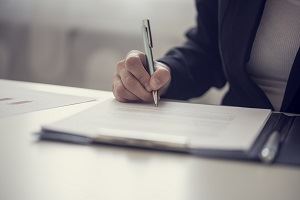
pixel 155 98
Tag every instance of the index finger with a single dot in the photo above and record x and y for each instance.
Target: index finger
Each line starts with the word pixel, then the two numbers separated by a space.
pixel 134 65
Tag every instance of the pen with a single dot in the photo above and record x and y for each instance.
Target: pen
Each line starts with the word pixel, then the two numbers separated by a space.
pixel 270 149
pixel 148 45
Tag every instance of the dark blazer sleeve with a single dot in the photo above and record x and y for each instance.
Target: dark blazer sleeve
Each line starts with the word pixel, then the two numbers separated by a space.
pixel 196 66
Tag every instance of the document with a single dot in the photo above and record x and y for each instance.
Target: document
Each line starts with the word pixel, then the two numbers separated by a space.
pixel 195 125
pixel 17 100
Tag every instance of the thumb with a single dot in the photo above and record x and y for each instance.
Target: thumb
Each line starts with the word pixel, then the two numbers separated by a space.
pixel 159 78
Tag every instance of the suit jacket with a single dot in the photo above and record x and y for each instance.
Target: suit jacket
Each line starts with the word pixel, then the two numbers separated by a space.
pixel 216 52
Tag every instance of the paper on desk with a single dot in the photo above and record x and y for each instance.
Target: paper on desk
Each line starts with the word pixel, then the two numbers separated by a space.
pixel 17 100
pixel 203 126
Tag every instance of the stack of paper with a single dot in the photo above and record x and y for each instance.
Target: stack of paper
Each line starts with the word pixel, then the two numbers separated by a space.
pixel 186 124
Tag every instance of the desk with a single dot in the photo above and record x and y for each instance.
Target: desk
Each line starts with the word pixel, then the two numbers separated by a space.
pixel 36 170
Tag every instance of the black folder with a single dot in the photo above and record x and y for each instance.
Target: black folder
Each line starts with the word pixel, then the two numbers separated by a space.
pixel 288 150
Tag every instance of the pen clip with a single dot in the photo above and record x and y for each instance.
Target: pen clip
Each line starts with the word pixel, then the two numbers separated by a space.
pixel 146 23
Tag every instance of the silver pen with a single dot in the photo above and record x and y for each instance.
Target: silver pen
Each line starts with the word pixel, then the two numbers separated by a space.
pixel 272 145
pixel 148 45
pixel 269 151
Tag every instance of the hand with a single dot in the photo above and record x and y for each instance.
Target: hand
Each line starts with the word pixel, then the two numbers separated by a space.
pixel 133 83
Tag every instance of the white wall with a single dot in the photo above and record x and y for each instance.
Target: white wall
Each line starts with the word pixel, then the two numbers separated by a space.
pixel 78 42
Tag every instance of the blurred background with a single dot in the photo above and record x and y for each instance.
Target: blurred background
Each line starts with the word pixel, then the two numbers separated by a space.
pixel 78 42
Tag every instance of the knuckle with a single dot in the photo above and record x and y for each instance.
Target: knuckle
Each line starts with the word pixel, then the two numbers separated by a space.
pixel 132 62
pixel 134 52
pixel 120 65
pixel 129 82
pixel 131 52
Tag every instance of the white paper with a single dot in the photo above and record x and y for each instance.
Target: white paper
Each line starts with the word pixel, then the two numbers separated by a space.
pixel 203 126
pixel 17 100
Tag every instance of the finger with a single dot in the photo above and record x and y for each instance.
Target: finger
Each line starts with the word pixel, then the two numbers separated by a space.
pixel 135 64
pixel 160 78
pixel 134 86
pixel 120 65
pixel 121 93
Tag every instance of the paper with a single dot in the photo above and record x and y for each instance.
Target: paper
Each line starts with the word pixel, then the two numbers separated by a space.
pixel 17 100
pixel 203 126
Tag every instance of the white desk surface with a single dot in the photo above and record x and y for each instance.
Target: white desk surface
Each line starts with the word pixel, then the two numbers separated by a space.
pixel 35 170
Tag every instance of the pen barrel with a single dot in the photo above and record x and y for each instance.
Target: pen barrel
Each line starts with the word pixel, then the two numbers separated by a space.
pixel 147 39
pixel 148 47
pixel 149 59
